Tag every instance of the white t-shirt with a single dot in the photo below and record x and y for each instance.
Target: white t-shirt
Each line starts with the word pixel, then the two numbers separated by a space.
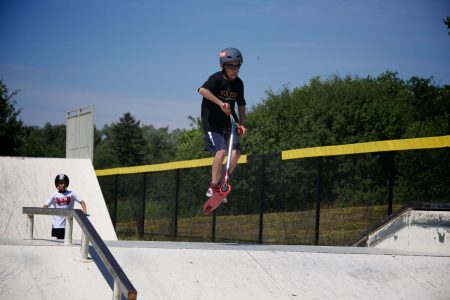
pixel 62 200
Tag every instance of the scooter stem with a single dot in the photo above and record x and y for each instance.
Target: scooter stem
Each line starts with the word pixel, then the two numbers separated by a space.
pixel 230 146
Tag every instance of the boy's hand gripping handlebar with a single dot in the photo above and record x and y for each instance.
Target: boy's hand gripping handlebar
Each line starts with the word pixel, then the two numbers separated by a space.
pixel 240 129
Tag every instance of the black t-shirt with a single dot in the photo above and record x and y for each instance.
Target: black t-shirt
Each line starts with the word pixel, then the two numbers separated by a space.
pixel 228 91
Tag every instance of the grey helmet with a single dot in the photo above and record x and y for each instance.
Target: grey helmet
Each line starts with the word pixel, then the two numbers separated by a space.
pixel 230 54
pixel 62 177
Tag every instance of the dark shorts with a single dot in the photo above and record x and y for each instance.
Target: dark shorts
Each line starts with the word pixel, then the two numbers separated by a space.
pixel 218 140
pixel 59 233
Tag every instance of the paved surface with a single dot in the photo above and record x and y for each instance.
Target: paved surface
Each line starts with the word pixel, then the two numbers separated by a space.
pixel 34 269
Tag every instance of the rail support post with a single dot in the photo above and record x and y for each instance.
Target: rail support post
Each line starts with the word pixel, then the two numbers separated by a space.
pixel 117 293
pixel 30 227
pixel 84 246
pixel 68 231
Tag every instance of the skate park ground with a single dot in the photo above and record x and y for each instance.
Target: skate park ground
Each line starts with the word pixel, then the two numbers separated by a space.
pixel 44 268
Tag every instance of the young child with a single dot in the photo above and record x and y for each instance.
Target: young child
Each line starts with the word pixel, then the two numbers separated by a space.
pixel 62 198
pixel 221 92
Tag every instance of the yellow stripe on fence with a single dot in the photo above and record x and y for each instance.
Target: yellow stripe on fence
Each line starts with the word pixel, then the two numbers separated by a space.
pixel 381 146
pixel 185 164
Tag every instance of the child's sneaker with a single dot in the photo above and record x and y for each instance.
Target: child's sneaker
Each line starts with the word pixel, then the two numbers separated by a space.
pixel 214 188
pixel 211 189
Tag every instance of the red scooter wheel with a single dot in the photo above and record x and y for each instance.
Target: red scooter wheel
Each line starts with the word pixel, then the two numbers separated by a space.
pixel 225 189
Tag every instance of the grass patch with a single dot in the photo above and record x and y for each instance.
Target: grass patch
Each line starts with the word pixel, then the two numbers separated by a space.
pixel 338 227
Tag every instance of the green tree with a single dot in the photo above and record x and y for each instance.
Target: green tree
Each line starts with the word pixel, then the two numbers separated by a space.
pixel 154 145
pixel 104 153
pixel 331 112
pixel 190 143
pixel 49 141
pixel 160 144
pixel 10 124
pixel 431 105
pixel 127 141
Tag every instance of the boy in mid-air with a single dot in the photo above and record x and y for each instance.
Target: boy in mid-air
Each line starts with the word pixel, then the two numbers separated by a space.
pixel 221 92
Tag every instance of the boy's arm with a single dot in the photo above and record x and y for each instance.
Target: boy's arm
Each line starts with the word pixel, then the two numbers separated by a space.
pixel 83 207
pixel 211 97
pixel 49 202
pixel 242 115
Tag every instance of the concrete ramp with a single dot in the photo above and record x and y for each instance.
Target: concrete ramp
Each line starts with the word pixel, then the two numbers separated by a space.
pixel 209 271
pixel 45 270
pixel 30 181
pixel 168 270
pixel 415 229
pixel 423 227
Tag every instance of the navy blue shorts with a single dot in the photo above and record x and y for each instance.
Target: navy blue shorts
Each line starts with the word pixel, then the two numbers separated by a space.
pixel 59 233
pixel 218 140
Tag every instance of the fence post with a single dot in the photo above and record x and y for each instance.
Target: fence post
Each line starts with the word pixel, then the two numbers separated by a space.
pixel 116 190
pixel 141 226
pixel 31 227
pixel 391 176
pixel 68 230
pixel 319 195
pixel 177 196
pixel 261 199
pixel 213 229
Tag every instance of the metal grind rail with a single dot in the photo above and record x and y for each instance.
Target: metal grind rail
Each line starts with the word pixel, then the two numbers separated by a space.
pixel 122 284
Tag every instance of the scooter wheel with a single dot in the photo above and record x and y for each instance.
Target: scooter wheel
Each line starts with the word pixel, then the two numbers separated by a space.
pixel 225 189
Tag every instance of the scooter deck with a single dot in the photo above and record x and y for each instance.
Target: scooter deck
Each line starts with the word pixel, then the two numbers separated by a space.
pixel 213 202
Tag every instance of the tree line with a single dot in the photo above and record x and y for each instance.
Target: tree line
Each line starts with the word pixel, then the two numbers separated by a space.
pixel 331 111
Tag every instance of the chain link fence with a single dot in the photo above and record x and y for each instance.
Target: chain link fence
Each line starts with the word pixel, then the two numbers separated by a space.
pixel 323 200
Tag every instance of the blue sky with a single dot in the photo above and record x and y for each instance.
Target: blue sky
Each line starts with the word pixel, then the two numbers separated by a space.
pixel 149 57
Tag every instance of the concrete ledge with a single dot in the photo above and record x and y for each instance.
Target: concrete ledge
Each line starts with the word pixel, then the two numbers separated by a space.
pixel 414 230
